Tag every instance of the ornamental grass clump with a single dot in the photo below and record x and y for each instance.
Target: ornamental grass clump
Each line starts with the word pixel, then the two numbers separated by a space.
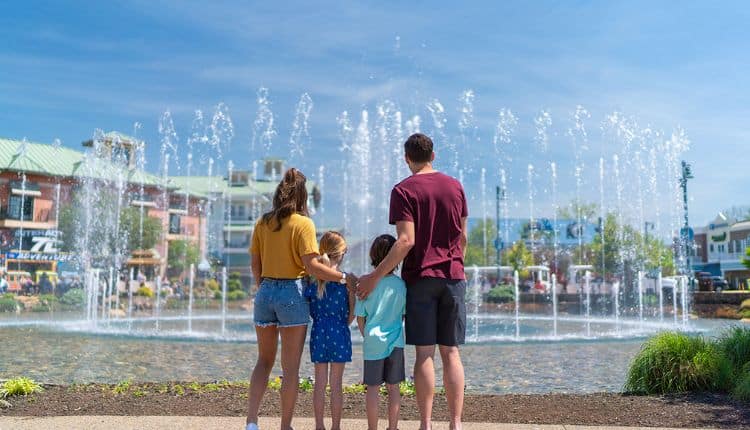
pixel 19 387
pixel 735 344
pixel 677 363
pixel 741 389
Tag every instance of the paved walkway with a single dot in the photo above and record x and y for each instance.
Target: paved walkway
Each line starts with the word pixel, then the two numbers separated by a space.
pixel 229 423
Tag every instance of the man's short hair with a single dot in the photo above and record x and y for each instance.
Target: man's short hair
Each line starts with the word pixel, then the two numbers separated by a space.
pixel 418 148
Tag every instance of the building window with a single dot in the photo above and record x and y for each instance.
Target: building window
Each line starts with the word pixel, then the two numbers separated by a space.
pixel 14 207
pixel 174 224
pixel 711 247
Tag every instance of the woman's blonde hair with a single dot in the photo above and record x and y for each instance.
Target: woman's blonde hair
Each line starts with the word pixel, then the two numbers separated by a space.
pixel 332 248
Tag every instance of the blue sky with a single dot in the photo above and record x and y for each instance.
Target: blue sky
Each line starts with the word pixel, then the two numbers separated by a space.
pixel 66 69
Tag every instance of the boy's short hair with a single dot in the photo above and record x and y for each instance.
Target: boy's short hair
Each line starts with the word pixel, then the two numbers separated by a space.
pixel 418 148
pixel 381 246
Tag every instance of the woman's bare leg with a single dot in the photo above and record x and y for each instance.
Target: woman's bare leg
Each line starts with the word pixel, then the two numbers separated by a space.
pixel 337 395
pixel 268 342
pixel 292 344
pixel 319 394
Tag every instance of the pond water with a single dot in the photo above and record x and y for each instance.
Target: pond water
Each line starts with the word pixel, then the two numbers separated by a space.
pixel 60 350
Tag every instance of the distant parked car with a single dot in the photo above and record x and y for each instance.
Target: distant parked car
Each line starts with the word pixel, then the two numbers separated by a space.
pixel 719 283
pixel 705 283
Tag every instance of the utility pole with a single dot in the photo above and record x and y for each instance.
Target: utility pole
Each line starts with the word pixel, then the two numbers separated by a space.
pixel 499 195
pixel 686 236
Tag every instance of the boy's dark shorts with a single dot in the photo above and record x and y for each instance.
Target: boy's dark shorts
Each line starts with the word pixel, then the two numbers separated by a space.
pixel 436 312
pixel 389 370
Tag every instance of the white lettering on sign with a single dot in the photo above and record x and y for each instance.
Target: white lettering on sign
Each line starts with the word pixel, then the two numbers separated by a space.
pixel 43 244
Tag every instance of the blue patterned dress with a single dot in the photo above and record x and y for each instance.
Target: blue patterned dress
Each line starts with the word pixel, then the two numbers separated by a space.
pixel 330 337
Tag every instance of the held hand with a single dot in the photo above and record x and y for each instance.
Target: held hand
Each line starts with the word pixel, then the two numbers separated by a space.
pixel 351 282
pixel 365 286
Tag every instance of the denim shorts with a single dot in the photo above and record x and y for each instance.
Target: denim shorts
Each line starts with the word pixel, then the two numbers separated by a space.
pixel 281 302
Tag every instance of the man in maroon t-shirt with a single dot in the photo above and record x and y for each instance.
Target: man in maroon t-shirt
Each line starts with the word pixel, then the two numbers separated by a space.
pixel 429 211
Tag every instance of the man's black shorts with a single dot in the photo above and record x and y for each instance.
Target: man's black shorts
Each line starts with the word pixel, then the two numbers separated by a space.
pixel 436 312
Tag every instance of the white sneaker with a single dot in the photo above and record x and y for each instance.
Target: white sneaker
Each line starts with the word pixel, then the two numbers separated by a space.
pixel 251 426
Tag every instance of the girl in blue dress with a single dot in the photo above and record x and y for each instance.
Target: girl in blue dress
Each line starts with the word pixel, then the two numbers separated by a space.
pixel 332 312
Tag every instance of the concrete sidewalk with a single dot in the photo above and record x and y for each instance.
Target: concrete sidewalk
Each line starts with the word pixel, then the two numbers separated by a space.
pixel 230 423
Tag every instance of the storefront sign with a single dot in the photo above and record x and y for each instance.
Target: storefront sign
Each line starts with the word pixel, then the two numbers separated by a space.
pixel 39 256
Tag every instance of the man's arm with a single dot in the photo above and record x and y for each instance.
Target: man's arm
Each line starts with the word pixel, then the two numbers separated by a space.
pixel 464 235
pixel 399 251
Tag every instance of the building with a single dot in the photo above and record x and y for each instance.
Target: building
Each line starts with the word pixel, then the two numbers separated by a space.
pixel 720 249
pixel 38 180
pixel 235 202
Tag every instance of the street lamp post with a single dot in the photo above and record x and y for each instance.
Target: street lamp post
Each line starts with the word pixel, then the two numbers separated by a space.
pixel 686 236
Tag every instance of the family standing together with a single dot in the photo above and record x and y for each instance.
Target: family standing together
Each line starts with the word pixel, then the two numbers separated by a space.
pixel 423 307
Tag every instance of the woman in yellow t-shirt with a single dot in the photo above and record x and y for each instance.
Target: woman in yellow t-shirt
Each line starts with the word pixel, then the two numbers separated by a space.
pixel 284 250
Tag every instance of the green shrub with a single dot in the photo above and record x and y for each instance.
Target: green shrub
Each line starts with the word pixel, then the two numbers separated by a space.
pixel 144 292
pixel 355 389
pixel 217 295
pixel 236 295
pixel 8 304
pixel 745 304
pixel 174 303
pixel 306 384
pixel 745 313
pixel 211 284
pixel 501 294
pixel 741 389
pixel 74 298
pixel 19 387
pixel 47 303
pixel 677 363
pixel 735 344
pixel 234 285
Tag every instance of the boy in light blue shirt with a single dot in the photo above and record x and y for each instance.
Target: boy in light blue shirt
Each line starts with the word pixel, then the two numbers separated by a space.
pixel 380 320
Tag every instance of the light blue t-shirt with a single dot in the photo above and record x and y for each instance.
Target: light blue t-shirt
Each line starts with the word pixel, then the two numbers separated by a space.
pixel 383 309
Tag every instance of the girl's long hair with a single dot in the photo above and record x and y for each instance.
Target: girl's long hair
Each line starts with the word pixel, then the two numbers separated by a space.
pixel 290 198
pixel 332 248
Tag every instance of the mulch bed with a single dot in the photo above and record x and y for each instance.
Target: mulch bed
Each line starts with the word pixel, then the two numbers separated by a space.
pixel 696 410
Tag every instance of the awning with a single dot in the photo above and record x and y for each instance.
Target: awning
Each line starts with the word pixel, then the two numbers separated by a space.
pixel 143 203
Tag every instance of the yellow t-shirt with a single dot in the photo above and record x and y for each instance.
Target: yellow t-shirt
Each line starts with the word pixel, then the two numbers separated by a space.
pixel 281 251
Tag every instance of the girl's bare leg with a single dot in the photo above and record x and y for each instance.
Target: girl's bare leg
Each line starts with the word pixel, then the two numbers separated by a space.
pixel 337 395
pixel 319 394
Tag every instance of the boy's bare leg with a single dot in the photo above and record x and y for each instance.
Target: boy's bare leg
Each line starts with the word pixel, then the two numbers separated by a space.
pixel 319 394
pixel 337 395
pixel 372 401
pixel 394 406
pixel 453 379
pixel 424 383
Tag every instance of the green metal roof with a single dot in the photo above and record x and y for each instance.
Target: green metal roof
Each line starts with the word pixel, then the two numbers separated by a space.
pixel 47 160
pixel 205 185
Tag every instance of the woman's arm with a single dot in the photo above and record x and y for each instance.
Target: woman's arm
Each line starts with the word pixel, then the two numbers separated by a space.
pixel 320 271
pixel 257 267
pixel 361 324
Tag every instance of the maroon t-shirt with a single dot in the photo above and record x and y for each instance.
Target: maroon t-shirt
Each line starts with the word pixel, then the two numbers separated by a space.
pixel 436 203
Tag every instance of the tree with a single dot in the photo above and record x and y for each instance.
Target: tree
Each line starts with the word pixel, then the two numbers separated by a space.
pixel 746 261
pixel 107 238
pixel 475 251
pixel 181 254
pixel 572 210
pixel 518 257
